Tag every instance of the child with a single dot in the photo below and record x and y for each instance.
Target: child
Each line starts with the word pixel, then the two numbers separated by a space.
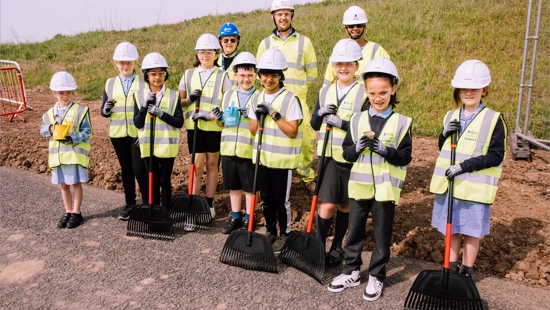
pixel 205 84
pixel 236 141
pixel 480 151
pixel 379 143
pixel 229 38
pixel 118 106
pixel 334 107
pixel 70 157
pixel 281 144
pixel 163 103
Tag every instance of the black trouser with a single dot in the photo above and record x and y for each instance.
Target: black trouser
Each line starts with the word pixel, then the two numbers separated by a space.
pixel 162 172
pixel 273 191
pixel 382 223
pixel 131 165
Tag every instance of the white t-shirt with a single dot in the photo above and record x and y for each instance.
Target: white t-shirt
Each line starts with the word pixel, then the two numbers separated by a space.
pixel 294 113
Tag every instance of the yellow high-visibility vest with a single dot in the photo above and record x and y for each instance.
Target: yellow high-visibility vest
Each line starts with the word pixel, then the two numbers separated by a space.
pixel 278 150
pixel 301 62
pixel 351 103
pixel 237 140
pixel 167 137
pixel 372 176
pixel 122 114
pixel 211 97
pixel 370 51
pixel 229 71
pixel 67 154
pixel 479 186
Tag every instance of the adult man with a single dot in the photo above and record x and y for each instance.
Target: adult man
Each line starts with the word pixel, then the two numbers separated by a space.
pixel 355 22
pixel 301 72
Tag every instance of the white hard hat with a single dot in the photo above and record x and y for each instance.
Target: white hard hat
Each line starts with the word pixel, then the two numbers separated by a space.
pixel 125 51
pixel 244 58
pixel 62 81
pixel 153 60
pixel 272 59
pixel 382 65
pixel 472 74
pixel 207 41
pixel 281 4
pixel 346 50
pixel 354 15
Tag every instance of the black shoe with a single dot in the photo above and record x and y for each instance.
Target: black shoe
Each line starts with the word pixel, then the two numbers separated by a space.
pixel 75 220
pixel 245 225
pixel 334 257
pixel 125 212
pixel 231 225
pixel 63 220
pixel 465 270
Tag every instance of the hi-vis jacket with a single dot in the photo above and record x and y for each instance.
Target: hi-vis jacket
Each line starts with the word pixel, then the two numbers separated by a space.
pixel 229 70
pixel 370 51
pixel 478 186
pixel 211 97
pixel 278 150
pixel 351 103
pixel 372 176
pixel 237 140
pixel 167 137
pixel 301 61
pixel 122 114
pixel 68 154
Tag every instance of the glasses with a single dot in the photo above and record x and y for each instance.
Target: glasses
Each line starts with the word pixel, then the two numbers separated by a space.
pixel 273 76
pixel 154 74
pixel 209 53
pixel 343 64
pixel 64 93
pixel 124 63
pixel 286 14
pixel 246 76
pixel 466 90
pixel 232 40
pixel 356 26
pixel 382 93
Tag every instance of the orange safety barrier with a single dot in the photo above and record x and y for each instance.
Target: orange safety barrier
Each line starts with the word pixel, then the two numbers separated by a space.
pixel 12 90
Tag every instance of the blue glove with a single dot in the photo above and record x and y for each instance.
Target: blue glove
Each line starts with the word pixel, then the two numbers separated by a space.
pixel 153 109
pixel 195 95
pixel 108 106
pixel 377 147
pixel 327 110
pixel 453 171
pixel 265 108
pixel 217 113
pixel 205 116
pixel 453 126
pixel 333 120
pixel 361 145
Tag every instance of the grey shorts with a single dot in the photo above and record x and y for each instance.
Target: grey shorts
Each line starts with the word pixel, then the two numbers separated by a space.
pixel 334 185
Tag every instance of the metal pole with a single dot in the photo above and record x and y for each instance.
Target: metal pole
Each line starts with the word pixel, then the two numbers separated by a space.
pixel 525 48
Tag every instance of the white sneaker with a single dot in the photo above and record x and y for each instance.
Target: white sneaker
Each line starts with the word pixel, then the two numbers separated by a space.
pixel 344 281
pixel 213 212
pixel 373 290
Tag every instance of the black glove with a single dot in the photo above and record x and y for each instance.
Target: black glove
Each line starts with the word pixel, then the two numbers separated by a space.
pixel 244 112
pixel 453 126
pixel 217 113
pixel 453 171
pixel 135 143
pixel 108 106
pixel 361 145
pixel 195 95
pixel 68 139
pixel 151 100
pixel 377 147
pixel 326 110
pixel 264 108
pixel 50 129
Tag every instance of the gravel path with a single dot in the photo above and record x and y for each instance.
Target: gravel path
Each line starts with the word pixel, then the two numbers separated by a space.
pixel 96 266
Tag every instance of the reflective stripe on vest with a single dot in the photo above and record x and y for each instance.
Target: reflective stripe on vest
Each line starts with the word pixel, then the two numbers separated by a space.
pixel 211 97
pixel 479 186
pixel 122 114
pixel 372 175
pixel 237 140
pixel 351 103
pixel 167 138
pixel 68 154
pixel 296 78
pixel 278 150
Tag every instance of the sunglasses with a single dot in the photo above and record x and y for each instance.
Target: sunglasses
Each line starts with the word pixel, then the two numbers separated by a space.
pixel 356 26
pixel 232 40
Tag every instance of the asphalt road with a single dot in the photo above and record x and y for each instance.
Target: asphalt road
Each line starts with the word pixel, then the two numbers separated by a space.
pixel 96 266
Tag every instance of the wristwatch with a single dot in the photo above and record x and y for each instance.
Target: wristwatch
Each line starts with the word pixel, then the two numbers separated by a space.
pixel 277 116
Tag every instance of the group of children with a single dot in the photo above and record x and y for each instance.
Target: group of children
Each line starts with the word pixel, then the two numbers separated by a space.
pixel 367 151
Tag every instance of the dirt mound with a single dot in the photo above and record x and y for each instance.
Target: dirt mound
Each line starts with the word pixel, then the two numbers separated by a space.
pixel 517 247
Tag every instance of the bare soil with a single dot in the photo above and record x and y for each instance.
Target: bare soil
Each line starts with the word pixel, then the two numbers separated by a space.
pixel 517 247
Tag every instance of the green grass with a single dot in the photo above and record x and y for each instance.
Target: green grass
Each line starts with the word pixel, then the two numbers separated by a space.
pixel 427 40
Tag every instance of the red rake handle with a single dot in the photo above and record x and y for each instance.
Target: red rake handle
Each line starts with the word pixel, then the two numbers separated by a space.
pixel 151 145
pixel 319 179
pixel 253 201
pixel 449 228
pixel 192 169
